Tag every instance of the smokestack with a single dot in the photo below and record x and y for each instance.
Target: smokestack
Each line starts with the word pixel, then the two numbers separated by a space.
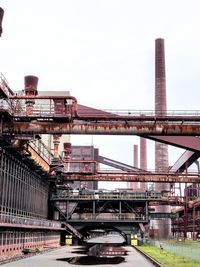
pixel 161 156
pixel 135 151
pixel 30 85
pixel 160 80
pixel 135 185
pixel 143 153
pixel 143 159
pixel 30 88
pixel 161 150
pixel 1 18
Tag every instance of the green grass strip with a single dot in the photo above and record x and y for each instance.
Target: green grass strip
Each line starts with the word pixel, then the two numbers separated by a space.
pixel 168 259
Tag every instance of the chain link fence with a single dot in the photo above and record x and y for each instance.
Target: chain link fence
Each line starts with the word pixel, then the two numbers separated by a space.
pixel 179 248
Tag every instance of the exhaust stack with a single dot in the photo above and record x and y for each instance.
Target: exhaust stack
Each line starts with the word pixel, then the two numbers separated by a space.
pixel 161 150
pixel 30 89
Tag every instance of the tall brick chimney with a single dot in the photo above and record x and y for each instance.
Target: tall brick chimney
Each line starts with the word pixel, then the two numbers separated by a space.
pixel 161 150
pixel 135 156
pixel 134 185
pixel 143 158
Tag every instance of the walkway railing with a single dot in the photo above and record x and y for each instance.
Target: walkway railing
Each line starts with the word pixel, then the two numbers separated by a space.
pixel 17 220
pixel 89 217
pixel 78 195
pixel 143 113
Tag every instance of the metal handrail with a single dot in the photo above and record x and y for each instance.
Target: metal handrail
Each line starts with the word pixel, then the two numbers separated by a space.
pixel 99 195
pixel 7 218
pixel 144 113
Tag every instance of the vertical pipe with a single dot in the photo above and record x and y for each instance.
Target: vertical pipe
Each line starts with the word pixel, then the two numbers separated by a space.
pixel 94 210
pixel 146 211
pixel 2 157
pixel 193 223
pixel 120 209
pixel 67 206
pixel 161 150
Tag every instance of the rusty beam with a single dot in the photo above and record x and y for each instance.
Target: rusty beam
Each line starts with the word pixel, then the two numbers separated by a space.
pixel 116 164
pixel 102 128
pixel 167 178
pixel 123 118
pixel 191 143
pixel 187 142
pixel 185 160
pixel 38 159
pixel 34 97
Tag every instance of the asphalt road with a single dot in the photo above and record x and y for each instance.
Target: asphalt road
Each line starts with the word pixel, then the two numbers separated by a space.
pixel 49 259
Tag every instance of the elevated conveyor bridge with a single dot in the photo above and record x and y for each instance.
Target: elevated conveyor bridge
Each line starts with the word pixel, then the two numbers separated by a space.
pixel 63 115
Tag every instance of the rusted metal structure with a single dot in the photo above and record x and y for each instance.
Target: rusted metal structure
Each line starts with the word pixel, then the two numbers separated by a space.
pixel 36 175
pixel 24 202
pixel 80 159
pixel 161 177
pixel 187 222
pixel 47 122
pixel 60 113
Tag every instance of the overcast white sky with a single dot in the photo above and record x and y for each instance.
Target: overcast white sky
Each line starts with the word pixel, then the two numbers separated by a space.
pixel 103 53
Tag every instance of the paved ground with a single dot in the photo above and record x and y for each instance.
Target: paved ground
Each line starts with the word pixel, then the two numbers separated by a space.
pixel 133 258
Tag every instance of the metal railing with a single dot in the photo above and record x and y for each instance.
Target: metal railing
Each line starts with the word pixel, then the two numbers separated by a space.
pixel 143 113
pixel 40 108
pixel 92 195
pixel 4 86
pixel 11 219
pixel 87 217
pixel 42 150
